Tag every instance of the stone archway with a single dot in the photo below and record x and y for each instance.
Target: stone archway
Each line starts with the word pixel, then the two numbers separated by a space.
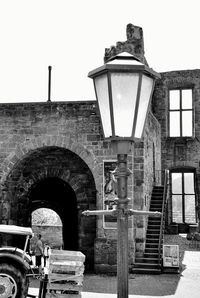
pixel 57 178
pixel 59 196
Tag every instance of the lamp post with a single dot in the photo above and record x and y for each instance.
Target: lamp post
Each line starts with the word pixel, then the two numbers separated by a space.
pixel 123 88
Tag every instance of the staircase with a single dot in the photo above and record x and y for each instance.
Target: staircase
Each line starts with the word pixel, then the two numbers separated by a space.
pixel 150 262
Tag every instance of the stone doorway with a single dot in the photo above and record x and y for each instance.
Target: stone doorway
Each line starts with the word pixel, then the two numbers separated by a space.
pixel 58 195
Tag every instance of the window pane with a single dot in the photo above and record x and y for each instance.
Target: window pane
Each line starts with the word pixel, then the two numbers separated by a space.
pixel 187 99
pixel 187 123
pixel 174 124
pixel 146 88
pixel 124 92
pixel 177 215
pixel 101 85
pixel 189 183
pixel 190 209
pixel 174 99
pixel 177 183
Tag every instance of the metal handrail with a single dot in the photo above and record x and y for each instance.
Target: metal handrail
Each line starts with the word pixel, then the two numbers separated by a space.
pixel 165 199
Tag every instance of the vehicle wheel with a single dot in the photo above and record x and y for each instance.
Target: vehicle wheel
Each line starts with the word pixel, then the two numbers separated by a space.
pixel 13 284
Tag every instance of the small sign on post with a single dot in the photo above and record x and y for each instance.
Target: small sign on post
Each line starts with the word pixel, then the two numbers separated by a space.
pixel 170 258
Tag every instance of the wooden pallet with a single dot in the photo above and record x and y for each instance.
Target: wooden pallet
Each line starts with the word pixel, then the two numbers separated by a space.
pixel 65 278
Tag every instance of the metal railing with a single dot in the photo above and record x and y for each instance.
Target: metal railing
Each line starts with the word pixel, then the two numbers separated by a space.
pixel 164 205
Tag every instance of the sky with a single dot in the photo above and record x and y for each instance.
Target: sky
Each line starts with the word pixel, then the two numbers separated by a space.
pixel 71 36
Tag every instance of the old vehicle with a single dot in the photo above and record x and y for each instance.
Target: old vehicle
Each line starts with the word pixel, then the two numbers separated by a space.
pixel 14 264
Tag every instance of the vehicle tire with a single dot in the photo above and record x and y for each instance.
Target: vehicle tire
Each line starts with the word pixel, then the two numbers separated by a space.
pixel 13 283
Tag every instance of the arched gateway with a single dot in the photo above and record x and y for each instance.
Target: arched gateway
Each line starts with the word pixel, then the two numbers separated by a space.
pixel 56 178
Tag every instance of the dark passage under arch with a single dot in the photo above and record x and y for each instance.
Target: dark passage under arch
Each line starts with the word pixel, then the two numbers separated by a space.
pixel 56 194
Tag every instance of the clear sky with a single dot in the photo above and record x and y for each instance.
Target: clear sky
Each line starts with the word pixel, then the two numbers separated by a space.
pixel 71 35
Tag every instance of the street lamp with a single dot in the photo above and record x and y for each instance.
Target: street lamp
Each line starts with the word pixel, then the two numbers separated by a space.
pixel 123 88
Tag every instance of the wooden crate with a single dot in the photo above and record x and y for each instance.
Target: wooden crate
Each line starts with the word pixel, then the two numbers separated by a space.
pixel 65 278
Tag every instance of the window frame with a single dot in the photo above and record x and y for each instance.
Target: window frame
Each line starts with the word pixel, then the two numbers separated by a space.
pixel 183 194
pixel 180 110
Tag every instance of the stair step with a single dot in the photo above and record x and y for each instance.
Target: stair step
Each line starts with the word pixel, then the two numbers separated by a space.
pixel 152 240
pixel 150 255
pixel 147 260
pixel 155 206
pixel 153 236
pixel 153 231
pixel 154 223
pixel 157 193
pixel 156 201
pixel 153 227
pixel 151 250
pixel 152 245
pixel 146 271
pixel 146 265
pixel 158 187
pixel 154 218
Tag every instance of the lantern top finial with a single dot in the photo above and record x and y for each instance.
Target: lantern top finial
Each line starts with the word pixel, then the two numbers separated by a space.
pixel 124 58
pixel 123 62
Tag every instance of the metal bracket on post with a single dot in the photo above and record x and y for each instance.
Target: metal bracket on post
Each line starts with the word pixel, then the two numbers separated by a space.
pixel 113 212
pixel 144 213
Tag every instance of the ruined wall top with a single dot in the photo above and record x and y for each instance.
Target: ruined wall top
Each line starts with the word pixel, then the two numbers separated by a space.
pixel 133 45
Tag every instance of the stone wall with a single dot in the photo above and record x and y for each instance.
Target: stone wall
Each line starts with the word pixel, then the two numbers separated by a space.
pixel 178 152
pixel 63 141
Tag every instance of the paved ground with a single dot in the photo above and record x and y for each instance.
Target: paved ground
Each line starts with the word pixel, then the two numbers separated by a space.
pixel 184 285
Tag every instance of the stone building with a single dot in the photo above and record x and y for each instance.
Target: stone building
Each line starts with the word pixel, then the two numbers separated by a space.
pixel 176 107
pixel 53 155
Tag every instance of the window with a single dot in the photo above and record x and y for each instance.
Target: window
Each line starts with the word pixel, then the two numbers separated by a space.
pixel 183 197
pixel 180 113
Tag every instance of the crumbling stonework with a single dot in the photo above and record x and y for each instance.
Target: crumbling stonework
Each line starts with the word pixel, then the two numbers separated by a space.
pixel 134 45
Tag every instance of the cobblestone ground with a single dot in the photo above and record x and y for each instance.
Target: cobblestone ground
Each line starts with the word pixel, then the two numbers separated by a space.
pixel 151 285
pixel 147 285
